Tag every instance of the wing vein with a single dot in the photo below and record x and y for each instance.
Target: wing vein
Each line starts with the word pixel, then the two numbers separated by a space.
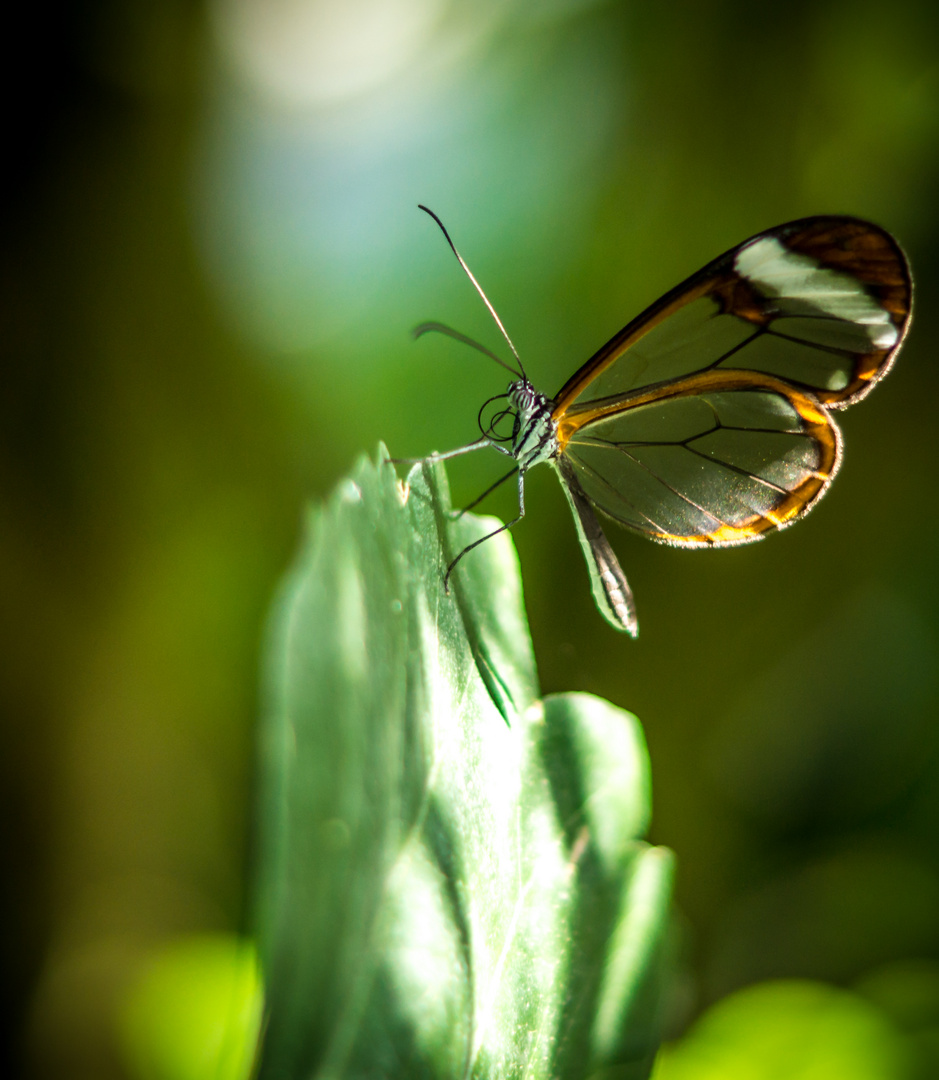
pixel 739 469
pixel 844 354
pixel 674 490
pixel 655 476
pixel 587 467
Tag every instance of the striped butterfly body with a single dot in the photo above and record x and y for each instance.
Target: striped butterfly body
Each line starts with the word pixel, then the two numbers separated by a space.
pixel 707 420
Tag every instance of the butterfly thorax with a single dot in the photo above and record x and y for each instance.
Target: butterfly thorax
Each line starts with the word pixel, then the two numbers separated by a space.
pixel 535 437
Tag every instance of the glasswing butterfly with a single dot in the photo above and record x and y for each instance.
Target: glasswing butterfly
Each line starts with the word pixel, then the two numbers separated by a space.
pixel 706 421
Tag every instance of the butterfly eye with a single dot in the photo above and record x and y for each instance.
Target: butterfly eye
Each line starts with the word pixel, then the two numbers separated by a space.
pixel 522 395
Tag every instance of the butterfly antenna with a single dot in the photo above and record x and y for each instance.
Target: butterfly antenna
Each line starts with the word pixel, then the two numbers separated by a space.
pixel 479 289
pixel 439 328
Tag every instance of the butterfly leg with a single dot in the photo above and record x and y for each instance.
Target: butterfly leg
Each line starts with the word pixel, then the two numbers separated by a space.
pixel 495 532
pixel 489 490
pixel 477 445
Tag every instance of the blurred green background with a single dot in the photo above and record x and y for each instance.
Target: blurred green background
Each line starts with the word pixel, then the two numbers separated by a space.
pixel 211 261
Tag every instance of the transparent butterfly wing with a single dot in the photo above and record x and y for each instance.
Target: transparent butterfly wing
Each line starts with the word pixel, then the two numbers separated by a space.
pixel 720 460
pixel 706 420
pixel 823 303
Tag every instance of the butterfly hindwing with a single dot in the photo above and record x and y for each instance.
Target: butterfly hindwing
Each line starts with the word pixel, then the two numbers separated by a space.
pixel 719 458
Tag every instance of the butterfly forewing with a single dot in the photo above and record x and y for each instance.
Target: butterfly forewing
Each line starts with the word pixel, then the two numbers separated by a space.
pixel 705 420
pixel 822 303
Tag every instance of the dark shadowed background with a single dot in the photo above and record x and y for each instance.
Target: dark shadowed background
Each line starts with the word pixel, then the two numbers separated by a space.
pixel 211 259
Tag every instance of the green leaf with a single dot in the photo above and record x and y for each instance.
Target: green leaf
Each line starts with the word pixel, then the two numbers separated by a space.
pixel 792 1029
pixel 451 880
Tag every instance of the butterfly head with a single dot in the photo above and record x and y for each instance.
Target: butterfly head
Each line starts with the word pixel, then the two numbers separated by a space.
pixel 535 436
pixel 523 397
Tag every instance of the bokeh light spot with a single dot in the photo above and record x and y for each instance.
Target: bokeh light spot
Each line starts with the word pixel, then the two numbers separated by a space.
pixel 195 1012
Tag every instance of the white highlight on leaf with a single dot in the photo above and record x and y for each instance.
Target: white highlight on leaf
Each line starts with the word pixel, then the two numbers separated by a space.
pixel 351 627
pixel 425 958
pixel 350 492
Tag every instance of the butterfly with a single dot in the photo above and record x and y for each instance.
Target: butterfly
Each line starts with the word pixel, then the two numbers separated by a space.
pixel 707 420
